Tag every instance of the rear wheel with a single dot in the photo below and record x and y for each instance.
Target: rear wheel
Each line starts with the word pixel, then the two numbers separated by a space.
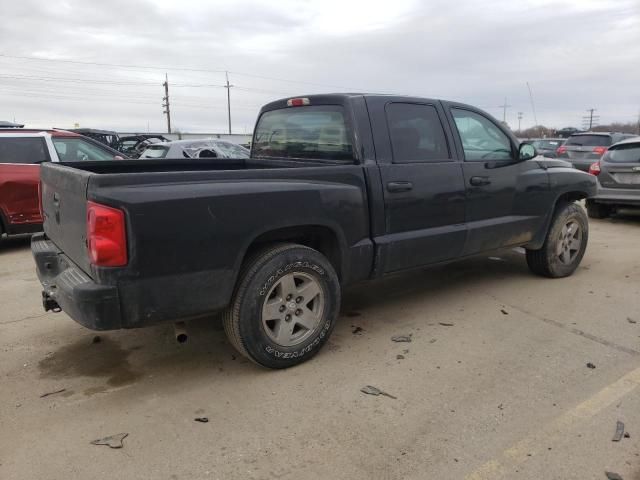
pixel 598 210
pixel 565 244
pixel 285 306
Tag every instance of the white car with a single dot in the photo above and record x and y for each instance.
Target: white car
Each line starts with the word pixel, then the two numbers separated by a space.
pixel 206 148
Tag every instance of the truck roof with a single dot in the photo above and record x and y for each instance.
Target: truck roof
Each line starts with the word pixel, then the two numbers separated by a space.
pixel 339 98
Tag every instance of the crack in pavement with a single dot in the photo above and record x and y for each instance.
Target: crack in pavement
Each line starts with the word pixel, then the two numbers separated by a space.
pixel 575 331
pixel 25 318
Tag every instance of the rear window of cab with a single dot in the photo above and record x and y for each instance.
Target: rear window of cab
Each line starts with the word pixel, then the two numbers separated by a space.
pixel 316 132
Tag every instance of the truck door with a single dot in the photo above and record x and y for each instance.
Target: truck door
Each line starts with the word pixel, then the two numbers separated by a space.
pixel 422 183
pixel 20 158
pixel 503 194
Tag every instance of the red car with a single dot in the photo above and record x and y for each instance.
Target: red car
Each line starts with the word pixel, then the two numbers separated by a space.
pixel 21 153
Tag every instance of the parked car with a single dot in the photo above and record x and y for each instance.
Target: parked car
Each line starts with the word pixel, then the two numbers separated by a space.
pixel 339 189
pixel 106 137
pixel 195 149
pixel 582 149
pixel 21 153
pixel 547 147
pixel 134 145
pixel 618 174
pixel 567 132
pixel 5 124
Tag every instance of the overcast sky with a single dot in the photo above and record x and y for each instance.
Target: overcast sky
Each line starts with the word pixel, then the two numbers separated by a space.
pixel 575 54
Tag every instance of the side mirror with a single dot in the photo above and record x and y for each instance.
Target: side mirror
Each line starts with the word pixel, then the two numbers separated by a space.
pixel 526 151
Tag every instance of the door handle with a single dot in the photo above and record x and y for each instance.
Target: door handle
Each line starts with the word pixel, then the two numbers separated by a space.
pixel 479 181
pixel 399 186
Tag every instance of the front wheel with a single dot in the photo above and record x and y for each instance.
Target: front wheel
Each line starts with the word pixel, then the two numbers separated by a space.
pixel 565 244
pixel 284 307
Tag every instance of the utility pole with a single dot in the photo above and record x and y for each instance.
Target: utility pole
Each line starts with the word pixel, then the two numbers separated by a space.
pixel 165 103
pixel 519 120
pixel 228 87
pixel 504 110
pixel 591 120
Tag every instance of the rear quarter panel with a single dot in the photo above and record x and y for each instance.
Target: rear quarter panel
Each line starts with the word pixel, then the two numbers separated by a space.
pixel 188 237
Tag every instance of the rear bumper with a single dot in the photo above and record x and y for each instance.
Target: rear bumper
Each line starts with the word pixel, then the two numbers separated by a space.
pixel 582 164
pixel 618 196
pixel 65 285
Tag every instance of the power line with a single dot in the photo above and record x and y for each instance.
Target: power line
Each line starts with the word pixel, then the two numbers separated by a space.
pixel 504 110
pixel 591 120
pixel 164 68
pixel 165 102
pixel 228 87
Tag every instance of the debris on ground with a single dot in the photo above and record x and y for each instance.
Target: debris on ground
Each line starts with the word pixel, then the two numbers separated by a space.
pixel 619 432
pixel 613 476
pixel 113 441
pixel 504 312
pixel 53 393
pixel 371 390
pixel 401 338
pixel 202 419
pixel 627 435
pixel 433 340
pixel 446 324
pixel 631 320
pixel 399 357
pixel 405 351
pixel 357 330
pixel 96 339
pixel 496 259
pixel 590 365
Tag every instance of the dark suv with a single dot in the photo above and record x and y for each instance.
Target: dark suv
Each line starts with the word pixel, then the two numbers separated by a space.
pixel 618 174
pixel 583 149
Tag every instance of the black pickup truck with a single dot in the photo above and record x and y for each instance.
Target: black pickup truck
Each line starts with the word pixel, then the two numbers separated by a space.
pixel 339 189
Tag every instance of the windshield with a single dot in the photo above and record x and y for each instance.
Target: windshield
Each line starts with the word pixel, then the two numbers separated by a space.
pixel 589 140
pixel 155 151
pixel 625 154
pixel 78 149
pixel 316 132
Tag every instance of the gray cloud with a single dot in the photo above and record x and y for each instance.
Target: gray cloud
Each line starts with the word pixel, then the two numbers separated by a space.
pixel 575 55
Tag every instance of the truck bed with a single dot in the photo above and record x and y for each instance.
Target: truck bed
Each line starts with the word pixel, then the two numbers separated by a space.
pixel 190 223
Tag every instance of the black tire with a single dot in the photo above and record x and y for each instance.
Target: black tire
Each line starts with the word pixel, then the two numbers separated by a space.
pixel 262 274
pixel 598 210
pixel 546 261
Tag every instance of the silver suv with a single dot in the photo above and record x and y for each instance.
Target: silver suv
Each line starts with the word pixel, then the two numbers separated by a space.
pixel 618 174
pixel 582 149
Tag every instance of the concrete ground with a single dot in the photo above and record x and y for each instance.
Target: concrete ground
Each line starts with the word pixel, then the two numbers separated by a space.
pixel 494 383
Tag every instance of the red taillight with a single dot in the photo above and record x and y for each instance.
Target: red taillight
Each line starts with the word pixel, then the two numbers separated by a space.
pixel 560 150
pixel 106 236
pixel 599 150
pixel 298 102
pixel 594 169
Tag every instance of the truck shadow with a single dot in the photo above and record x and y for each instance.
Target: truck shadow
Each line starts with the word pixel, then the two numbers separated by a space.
pixel 109 361
pixel 11 244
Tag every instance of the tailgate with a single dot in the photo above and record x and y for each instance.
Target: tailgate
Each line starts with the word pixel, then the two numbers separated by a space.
pixel 64 207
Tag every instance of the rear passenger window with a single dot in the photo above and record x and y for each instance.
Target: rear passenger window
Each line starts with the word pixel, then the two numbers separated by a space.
pixel 22 150
pixel 416 133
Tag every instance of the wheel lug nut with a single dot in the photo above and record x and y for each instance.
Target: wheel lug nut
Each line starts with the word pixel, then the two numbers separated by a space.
pixel 298 312
pixel 289 297
pixel 287 317
pixel 299 299
pixel 282 308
